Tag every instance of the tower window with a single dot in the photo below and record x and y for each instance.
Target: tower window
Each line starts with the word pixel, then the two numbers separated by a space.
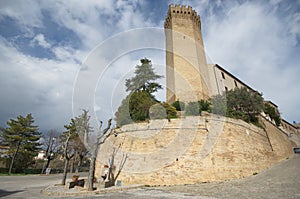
pixel 177 11
pixel 184 12
pixel 189 13
pixel 173 11
pixel 223 75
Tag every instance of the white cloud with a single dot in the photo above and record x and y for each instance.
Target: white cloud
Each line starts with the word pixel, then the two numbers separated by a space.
pixel 32 85
pixel 27 13
pixel 250 39
pixel 40 40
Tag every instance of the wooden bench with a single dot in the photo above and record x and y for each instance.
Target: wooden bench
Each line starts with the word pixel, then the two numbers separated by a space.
pixel 72 184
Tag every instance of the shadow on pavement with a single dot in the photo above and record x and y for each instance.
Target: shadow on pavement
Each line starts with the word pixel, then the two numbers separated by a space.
pixel 4 193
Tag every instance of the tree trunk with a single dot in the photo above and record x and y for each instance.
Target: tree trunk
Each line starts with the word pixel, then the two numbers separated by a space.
pixel 63 182
pixel 79 163
pixel 48 162
pixel 90 183
pixel 13 159
pixel 72 166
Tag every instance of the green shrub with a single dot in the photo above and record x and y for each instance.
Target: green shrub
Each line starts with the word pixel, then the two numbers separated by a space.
pixel 204 105
pixel 192 109
pixel 171 111
pixel 219 105
pixel 179 105
pixel 162 111
pixel 157 111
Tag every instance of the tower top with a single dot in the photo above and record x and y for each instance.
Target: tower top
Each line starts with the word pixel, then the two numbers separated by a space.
pixel 183 12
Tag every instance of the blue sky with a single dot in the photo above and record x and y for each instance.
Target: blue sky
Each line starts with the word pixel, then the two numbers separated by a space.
pixel 43 45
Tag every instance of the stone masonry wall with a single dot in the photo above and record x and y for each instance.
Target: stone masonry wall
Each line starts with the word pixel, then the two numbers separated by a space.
pixel 192 150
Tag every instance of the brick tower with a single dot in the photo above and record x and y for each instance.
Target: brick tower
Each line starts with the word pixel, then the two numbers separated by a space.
pixel 186 71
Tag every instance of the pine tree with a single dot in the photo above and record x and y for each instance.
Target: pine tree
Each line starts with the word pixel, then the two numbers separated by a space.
pixel 23 138
pixel 135 107
pixel 144 79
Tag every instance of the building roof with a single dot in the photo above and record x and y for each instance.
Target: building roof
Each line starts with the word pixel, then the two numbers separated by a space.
pixel 234 77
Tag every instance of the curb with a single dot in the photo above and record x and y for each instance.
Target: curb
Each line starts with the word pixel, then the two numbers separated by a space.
pixel 115 189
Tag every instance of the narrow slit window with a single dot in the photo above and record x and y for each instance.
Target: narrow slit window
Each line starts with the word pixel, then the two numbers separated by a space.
pixel 235 83
pixel 223 75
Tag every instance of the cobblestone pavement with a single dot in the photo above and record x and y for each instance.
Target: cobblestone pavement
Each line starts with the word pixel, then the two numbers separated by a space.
pixel 281 181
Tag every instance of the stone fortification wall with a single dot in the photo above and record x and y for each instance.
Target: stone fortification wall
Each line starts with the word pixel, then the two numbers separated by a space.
pixel 193 149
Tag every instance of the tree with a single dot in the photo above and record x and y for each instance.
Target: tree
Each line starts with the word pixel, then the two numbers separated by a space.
pixel 80 153
pixel 144 79
pixel 93 144
pixel 112 177
pixel 23 138
pixel 68 151
pixel 244 104
pixel 139 105
pixel 269 110
pixel 51 145
pixel 135 107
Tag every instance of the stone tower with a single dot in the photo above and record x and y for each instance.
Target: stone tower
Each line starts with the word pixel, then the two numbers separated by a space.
pixel 186 71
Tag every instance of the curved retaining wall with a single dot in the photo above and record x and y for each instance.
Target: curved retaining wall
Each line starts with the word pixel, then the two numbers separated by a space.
pixel 192 150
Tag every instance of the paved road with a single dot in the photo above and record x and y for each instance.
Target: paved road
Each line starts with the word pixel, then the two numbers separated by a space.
pixel 28 186
pixel 281 181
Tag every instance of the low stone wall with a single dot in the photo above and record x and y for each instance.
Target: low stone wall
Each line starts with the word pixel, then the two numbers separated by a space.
pixel 192 150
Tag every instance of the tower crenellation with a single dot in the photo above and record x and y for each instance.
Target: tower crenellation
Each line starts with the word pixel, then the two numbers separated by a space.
pixel 184 12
